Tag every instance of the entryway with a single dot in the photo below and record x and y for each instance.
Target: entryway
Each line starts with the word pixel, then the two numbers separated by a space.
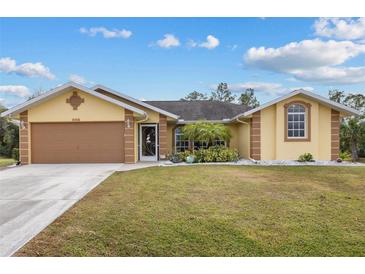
pixel 148 142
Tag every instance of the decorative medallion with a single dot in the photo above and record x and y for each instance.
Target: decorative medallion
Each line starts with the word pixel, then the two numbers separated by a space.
pixel 75 100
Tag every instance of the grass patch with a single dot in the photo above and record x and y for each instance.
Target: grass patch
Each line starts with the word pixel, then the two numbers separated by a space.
pixel 214 211
pixel 6 161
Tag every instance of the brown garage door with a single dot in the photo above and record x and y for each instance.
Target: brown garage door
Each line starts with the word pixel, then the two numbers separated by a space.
pixel 77 142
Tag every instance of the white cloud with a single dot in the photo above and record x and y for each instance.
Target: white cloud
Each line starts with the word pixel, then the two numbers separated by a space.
pixel 34 69
pixel 106 33
pixel 310 60
pixel 21 91
pixel 306 54
pixel 267 88
pixel 9 65
pixel 79 79
pixel 211 43
pixel 168 41
pixel 333 75
pixel 340 28
pixel 305 88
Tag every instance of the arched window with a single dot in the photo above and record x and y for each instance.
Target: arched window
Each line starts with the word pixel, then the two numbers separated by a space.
pixel 296 121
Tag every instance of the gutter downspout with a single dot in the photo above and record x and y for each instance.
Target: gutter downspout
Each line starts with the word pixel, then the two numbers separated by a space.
pixel 144 119
pixel 138 122
pixel 242 122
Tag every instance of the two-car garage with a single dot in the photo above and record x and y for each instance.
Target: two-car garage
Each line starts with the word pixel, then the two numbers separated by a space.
pixel 75 124
pixel 77 142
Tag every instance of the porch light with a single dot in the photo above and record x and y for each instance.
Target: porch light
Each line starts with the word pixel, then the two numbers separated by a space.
pixel 22 125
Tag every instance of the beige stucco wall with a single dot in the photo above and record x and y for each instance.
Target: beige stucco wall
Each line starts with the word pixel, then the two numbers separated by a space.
pixel 57 110
pixel 273 145
pixel 243 131
pixel 268 133
pixel 153 116
pixel 170 138
pixel 233 142
pixel 324 128
pixel 93 109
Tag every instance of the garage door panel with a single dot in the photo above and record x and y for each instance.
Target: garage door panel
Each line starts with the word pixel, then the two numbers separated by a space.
pixel 77 142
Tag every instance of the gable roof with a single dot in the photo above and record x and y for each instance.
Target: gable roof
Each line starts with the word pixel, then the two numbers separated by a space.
pixel 64 88
pixel 201 109
pixel 139 102
pixel 305 93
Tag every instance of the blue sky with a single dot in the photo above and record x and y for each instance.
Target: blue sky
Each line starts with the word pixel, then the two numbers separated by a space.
pixel 166 58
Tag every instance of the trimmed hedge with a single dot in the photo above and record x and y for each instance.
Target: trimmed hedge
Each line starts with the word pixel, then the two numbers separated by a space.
pixel 208 155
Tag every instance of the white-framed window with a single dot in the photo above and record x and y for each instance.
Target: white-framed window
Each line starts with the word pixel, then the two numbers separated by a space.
pixel 219 143
pixel 181 144
pixel 198 145
pixel 296 121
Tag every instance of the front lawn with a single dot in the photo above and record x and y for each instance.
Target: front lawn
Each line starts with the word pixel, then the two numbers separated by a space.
pixel 6 162
pixel 215 211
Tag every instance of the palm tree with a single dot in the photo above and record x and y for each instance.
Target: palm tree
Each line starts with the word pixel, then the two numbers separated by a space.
pixel 352 131
pixel 206 132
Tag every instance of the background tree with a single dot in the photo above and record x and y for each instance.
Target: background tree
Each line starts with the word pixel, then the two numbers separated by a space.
pixel 9 136
pixel 195 96
pixel 36 93
pixel 353 133
pixel 223 94
pixel 336 95
pixel 248 98
pixel 352 130
pixel 356 101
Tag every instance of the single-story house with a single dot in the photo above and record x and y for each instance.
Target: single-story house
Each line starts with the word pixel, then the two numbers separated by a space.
pixel 76 124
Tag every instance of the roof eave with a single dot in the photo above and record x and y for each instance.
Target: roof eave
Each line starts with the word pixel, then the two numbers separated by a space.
pixel 337 106
pixel 222 121
pixel 50 94
pixel 134 100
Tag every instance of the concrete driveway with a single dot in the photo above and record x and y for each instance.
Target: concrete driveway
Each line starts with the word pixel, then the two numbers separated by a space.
pixel 31 197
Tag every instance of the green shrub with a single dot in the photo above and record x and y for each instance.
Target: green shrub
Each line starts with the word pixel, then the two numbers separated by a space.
pixel 179 156
pixel 345 156
pixel 15 154
pixel 306 157
pixel 211 154
pixel 175 158
pixel 185 154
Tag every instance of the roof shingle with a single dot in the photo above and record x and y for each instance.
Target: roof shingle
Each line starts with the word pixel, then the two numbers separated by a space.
pixel 200 110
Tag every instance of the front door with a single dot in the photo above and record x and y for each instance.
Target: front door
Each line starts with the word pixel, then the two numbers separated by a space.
pixel 148 143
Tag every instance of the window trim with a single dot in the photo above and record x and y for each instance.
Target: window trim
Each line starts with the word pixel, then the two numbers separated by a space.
pixel 174 139
pixel 307 107
pixel 191 143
